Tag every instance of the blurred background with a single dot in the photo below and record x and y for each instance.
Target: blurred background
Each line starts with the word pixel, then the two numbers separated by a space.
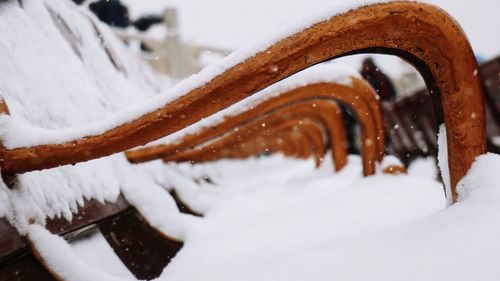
pixel 229 25
pixel 233 24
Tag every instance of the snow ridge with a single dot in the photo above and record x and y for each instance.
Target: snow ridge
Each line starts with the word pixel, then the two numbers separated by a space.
pixel 57 73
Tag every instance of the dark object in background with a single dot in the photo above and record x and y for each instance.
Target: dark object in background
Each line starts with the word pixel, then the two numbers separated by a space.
pixel 378 80
pixel 78 2
pixel 384 88
pixel 490 72
pixel 411 127
pixel 112 12
pixel 410 121
pixel 145 22
pixel 386 91
pixel 351 123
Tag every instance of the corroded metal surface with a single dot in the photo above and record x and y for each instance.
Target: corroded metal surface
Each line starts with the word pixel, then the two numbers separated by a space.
pixel 422 34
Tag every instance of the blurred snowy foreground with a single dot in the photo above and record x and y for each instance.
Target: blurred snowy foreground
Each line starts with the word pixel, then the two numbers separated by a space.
pixel 281 219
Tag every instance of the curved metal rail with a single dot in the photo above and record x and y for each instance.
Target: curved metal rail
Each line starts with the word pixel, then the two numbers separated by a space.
pixel 422 34
pixel 360 97
pixel 257 140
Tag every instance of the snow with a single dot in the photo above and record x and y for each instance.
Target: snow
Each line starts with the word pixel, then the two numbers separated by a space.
pixel 424 168
pixel 395 227
pixel 389 161
pixel 290 221
pixel 382 226
pixel 58 192
pixel 47 83
pixel 61 259
pixel 157 206
pixel 443 162
pixel 286 207
pixel 16 132
pixel 104 259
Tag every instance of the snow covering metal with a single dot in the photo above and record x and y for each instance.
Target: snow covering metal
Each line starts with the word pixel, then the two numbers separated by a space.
pixel 355 94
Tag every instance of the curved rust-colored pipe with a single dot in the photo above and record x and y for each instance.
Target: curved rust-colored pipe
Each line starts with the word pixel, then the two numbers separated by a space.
pixel 271 144
pixel 275 143
pixel 321 109
pixel 326 111
pixel 304 146
pixel 309 135
pixel 395 170
pixel 289 143
pixel 312 130
pixel 422 34
pixel 246 148
pixel 283 142
pixel 280 142
pixel 360 97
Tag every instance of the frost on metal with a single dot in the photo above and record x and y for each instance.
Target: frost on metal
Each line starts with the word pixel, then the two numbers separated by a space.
pixel 49 82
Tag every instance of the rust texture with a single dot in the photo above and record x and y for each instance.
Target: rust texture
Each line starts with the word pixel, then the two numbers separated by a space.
pixel 259 141
pixel 360 97
pixel 325 111
pixel 422 34
pixel 395 170
pixel 274 142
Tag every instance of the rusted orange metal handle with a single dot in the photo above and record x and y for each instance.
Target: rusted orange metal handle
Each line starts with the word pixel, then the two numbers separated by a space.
pixel 224 146
pixel 306 133
pixel 360 97
pixel 313 133
pixel 309 129
pixel 298 134
pixel 325 111
pixel 284 141
pixel 302 133
pixel 422 34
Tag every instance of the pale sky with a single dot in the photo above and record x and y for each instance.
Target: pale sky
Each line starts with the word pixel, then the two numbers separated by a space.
pixel 232 24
